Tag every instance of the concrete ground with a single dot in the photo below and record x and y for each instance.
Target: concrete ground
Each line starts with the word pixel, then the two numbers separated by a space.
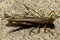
pixel 17 7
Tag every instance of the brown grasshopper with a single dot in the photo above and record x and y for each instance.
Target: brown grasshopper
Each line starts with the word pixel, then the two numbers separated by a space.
pixel 30 20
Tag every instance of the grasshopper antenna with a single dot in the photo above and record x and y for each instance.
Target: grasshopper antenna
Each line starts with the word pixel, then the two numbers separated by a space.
pixel 58 14
pixel 55 15
pixel 50 14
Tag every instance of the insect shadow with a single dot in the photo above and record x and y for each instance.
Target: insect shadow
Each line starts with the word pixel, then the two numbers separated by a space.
pixel 34 26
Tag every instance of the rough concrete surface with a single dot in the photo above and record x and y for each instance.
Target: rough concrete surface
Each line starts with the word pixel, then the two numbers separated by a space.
pixel 16 7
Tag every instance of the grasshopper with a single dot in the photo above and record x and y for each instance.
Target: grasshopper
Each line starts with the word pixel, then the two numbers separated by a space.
pixel 30 20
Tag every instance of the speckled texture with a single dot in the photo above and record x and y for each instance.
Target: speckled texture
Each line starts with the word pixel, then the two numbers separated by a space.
pixel 16 7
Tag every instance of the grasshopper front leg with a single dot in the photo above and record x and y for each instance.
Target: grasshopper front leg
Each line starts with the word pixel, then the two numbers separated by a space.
pixel 45 29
